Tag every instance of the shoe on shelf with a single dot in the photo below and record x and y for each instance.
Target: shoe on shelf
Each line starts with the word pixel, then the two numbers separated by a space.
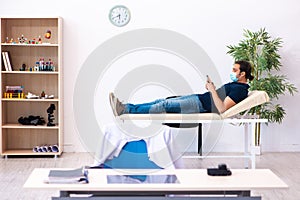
pixel 31 96
pixel 35 149
pixel 54 148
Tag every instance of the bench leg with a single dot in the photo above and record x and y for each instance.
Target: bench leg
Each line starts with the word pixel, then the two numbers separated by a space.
pixel 200 139
pixel 252 145
pixel 246 143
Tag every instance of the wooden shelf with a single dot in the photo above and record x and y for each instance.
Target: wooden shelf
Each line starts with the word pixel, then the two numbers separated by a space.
pixel 29 126
pixel 28 100
pixel 15 138
pixel 30 45
pixel 28 152
pixel 30 72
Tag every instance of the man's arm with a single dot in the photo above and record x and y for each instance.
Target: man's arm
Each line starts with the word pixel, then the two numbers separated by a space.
pixel 222 106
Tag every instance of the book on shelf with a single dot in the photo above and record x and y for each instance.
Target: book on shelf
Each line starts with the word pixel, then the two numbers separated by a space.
pixel 7 61
pixel 79 175
pixel 14 89
pixel 4 61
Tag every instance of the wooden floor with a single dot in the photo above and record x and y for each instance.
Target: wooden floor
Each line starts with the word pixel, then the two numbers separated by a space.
pixel 15 171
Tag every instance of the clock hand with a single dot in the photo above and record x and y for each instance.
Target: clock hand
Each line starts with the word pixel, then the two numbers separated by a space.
pixel 119 15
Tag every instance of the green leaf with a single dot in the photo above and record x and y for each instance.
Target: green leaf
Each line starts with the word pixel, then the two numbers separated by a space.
pixel 262 52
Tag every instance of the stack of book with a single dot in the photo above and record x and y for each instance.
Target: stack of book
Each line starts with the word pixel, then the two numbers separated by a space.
pixel 6 61
pixel 68 176
pixel 14 92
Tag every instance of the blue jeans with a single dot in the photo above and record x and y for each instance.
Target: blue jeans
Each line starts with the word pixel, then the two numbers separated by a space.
pixel 182 104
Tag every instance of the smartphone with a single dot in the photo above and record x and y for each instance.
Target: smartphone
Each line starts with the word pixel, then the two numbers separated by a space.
pixel 208 79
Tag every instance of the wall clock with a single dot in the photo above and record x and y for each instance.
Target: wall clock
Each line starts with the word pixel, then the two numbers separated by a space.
pixel 119 15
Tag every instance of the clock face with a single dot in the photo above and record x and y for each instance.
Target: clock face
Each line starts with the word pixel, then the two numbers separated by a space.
pixel 119 15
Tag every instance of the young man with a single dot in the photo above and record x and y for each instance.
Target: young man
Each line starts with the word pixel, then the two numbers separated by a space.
pixel 216 101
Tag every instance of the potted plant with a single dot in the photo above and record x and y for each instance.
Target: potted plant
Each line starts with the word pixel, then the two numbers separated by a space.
pixel 262 52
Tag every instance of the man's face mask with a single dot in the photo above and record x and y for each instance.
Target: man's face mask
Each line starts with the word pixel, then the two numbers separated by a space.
pixel 233 77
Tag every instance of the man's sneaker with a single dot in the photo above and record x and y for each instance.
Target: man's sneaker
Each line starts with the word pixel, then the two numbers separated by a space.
pixel 116 105
pixel 112 103
pixel 120 108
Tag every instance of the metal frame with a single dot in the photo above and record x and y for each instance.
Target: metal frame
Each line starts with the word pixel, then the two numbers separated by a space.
pixel 194 123
pixel 238 193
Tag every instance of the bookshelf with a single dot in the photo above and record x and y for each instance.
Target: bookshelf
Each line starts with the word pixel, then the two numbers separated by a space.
pixel 35 66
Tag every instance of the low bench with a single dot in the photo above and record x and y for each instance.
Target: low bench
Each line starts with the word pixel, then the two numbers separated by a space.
pixel 179 120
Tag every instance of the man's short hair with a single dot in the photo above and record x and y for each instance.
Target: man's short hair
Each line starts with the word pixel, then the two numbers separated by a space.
pixel 245 66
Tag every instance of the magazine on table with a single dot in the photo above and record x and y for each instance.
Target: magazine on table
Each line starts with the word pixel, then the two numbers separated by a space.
pixel 79 175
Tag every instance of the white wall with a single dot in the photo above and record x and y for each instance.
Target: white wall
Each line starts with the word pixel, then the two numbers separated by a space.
pixel 213 24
